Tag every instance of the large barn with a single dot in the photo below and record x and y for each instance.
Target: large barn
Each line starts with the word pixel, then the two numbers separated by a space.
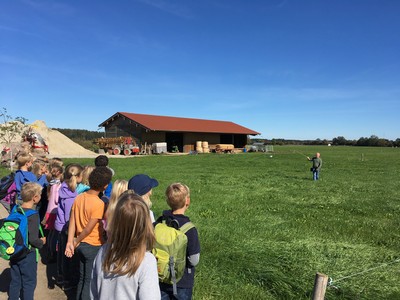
pixel 175 131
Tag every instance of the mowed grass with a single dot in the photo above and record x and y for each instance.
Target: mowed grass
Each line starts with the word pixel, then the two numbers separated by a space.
pixel 266 228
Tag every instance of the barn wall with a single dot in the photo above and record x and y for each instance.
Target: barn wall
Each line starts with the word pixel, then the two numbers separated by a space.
pixel 122 127
pixel 153 137
pixel 190 138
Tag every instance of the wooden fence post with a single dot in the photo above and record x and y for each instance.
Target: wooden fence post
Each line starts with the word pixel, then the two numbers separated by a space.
pixel 320 283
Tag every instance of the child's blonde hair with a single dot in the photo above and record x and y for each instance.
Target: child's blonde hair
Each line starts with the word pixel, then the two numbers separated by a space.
pixel 30 190
pixel 147 200
pixel 86 173
pixel 131 226
pixel 177 193
pixel 71 174
pixel 23 158
pixel 119 186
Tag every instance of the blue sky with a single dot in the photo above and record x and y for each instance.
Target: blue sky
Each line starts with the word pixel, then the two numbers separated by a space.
pixel 286 68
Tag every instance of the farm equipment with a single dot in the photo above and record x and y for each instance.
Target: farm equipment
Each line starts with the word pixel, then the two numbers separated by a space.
pixel 35 140
pixel 119 145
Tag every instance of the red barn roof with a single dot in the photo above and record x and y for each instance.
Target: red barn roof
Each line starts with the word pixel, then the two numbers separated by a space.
pixel 164 123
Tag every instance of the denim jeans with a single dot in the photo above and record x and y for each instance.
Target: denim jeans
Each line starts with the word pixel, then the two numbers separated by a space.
pixel 86 253
pixel 315 175
pixel 183 294
pixel 23 278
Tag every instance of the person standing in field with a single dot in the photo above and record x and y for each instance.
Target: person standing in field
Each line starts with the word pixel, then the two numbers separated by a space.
pixel 143 185
pixel 119 186
pixel 125 268
pixel 316 165
pixel 102 161
pixel 67 268
pixel 178 199
pixel 24 271
pixel 83 186
pixel 51 212
pixel 23 174
pixel 85 230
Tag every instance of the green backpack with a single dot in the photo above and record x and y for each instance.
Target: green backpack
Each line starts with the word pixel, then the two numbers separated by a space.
pixel 170 249
pixel 14 242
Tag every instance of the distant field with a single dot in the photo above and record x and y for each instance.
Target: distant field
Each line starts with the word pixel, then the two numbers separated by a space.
pixel 266 228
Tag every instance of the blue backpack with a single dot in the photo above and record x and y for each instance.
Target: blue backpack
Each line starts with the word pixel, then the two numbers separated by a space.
pixel 14 243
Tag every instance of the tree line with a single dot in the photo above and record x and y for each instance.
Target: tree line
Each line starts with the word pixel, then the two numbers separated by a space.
pixel 83 137
pixel 372 141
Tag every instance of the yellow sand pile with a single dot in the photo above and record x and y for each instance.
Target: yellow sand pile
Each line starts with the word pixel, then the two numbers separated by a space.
pixel 59 145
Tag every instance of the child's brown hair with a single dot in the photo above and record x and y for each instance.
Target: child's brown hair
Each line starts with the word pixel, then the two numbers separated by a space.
pixel 177 193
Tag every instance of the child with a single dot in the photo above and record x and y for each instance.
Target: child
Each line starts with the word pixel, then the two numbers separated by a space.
pixel 102 161
pixel 83 186
pixel 39 168
pixel 86 225
pixel 143 185
pixel 66 267
pixel 128 272
pixel 51 212
pixel 178 199
pixel 24 271
pixel 54 162
pixel 120 186
pixel 23 174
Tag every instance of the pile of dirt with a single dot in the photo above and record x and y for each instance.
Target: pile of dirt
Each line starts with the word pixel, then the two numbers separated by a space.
pixel 58 144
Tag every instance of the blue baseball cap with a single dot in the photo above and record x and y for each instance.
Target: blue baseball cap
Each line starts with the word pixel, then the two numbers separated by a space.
pixel 141 184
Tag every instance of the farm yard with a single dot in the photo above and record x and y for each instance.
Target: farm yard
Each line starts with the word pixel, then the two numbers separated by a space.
pixel 266 228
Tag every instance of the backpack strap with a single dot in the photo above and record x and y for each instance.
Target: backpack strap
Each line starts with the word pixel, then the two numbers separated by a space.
pixel 28 214
pixel 186 227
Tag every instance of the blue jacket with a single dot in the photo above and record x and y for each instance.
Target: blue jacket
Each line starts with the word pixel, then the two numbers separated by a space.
pixel 22 177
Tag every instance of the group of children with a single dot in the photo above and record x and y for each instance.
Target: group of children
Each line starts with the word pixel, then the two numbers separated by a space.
pixel 99 230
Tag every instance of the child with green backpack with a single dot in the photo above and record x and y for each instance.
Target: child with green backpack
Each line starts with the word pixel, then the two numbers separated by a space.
pixel 24 270
pixel 176 266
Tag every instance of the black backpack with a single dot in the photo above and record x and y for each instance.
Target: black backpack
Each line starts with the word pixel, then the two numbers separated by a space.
pixel 5 183
pixel 8 191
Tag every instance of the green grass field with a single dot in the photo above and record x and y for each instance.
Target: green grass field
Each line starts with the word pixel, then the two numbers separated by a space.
pixel 266 228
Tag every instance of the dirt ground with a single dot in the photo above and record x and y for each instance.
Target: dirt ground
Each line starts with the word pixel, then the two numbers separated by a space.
pixel 46 288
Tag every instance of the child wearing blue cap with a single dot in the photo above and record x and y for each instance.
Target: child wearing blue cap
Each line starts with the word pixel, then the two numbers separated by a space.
pixel 143 185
